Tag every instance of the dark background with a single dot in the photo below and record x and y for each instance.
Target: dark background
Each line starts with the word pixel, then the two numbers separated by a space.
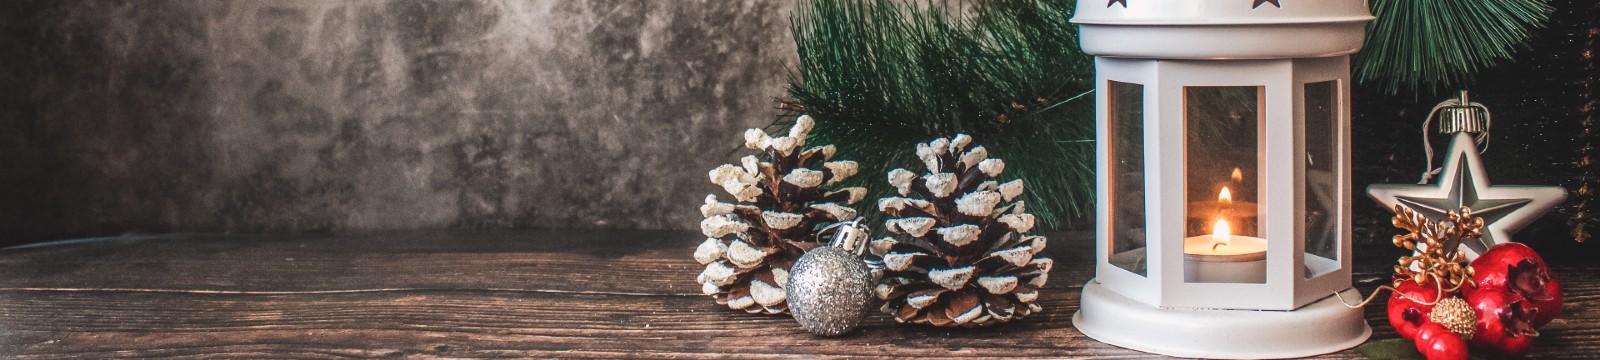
pixel 1541 105
pixel 121 117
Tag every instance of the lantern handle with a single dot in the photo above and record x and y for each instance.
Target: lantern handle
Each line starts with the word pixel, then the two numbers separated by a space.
pixel 1481 139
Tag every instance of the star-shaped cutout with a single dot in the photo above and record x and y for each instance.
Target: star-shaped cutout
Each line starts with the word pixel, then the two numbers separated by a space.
pixel 1114 2
pixel 1264 2
pixel 1504 209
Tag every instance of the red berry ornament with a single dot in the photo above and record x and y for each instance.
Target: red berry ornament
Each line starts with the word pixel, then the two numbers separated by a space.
pixel 1410 305
pixel 1505 325
pixel 1511 266
pixel 1436 342
pixel 1548 309
pixel 1508 253
pixel 1516 268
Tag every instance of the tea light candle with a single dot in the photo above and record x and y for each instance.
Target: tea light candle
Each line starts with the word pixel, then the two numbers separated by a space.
pixel 1224 257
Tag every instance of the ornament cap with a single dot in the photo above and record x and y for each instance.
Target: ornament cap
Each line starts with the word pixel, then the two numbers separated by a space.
pixel 850 236
pixel 1463 116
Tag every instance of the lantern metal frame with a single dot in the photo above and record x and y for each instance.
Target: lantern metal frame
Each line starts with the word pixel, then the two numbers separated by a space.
pixel 1282 199
pixel 1297 310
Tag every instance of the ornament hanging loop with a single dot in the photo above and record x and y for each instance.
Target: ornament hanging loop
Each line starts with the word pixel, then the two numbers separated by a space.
pixel 1459 115
pixel 850 236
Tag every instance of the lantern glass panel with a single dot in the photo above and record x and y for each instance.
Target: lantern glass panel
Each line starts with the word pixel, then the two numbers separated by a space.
pixel 1223 222
pixel 1321 207
pixel 1126 123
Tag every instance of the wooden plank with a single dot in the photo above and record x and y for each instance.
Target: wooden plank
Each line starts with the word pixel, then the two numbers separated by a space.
pixel 631 262
pixel 505 294
pixel 480 324
pixel 601 261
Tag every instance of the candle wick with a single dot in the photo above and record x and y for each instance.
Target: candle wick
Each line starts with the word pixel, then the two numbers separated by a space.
pixel 1214 246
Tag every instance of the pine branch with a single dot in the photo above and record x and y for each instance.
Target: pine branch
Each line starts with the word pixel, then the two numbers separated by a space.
pixel 1431 45
pixel 880 76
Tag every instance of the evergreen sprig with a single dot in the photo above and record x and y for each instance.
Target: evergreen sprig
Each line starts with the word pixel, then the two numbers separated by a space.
pixel 1430 45
pixel 880 76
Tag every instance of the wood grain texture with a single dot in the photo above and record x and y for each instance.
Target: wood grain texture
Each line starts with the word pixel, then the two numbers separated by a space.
pixel 569 294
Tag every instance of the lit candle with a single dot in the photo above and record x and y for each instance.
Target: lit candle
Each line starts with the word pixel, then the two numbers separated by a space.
pixel 1220 232
pixel 1222 256
pixel 1224 207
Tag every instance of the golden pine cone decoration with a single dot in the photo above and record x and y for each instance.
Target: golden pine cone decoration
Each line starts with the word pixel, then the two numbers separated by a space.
pixel 1454 313
pixel 751 244
pixel 958 254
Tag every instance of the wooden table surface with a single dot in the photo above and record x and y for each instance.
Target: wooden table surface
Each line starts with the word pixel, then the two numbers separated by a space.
pixel 542 294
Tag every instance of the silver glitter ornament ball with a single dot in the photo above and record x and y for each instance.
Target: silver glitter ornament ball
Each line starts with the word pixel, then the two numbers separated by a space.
pixel 829 290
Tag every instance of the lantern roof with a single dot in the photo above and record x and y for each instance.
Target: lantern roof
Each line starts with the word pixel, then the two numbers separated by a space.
pixel 1219 12
pixel 1221 29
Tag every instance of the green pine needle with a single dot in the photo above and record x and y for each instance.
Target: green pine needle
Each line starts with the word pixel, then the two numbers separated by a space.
pixel 1431 45
pixel 880 76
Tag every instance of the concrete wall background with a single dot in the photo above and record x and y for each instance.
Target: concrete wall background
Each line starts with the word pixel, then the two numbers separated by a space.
pixel 288 116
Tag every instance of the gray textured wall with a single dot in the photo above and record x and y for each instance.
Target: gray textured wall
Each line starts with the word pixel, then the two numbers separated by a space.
pixel 288 116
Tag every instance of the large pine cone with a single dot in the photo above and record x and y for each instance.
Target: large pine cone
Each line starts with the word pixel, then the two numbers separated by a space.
pixel 958 255
pixel 751 245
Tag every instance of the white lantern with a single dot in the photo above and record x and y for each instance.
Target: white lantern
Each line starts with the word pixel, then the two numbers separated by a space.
pixel 1223 221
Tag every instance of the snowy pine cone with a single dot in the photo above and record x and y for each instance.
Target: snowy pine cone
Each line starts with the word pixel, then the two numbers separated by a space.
pixel 751 244
pixel 958 253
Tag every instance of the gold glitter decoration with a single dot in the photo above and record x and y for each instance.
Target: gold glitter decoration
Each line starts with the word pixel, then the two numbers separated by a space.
pixel 1436 247
pixel 1456 315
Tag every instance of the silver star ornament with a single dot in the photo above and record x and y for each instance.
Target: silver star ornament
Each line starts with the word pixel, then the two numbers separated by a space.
pixel 1463 182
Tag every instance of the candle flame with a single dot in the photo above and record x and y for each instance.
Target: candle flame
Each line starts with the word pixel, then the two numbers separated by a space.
pixel 1237 175
pixel 1226 197
pixel 1220 232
